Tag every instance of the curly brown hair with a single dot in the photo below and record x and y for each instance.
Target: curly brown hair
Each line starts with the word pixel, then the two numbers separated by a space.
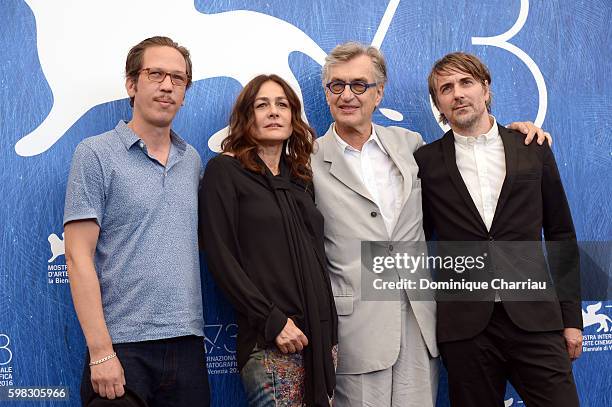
pixel 241 143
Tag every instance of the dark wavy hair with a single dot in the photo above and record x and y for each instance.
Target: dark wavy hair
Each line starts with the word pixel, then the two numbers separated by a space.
pixel 242 144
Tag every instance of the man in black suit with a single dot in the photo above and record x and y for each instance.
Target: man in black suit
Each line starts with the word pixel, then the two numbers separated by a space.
pixel 480 182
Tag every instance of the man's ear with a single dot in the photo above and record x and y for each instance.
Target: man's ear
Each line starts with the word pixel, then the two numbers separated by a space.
pixel 328 94
pixel 487 91
pixel 380 91
pixel 130 87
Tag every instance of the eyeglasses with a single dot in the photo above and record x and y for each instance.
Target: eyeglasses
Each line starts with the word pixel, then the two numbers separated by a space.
pixel 357 87
pixel 157 75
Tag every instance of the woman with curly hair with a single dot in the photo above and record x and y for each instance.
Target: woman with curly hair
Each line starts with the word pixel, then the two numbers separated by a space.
pixel 263 238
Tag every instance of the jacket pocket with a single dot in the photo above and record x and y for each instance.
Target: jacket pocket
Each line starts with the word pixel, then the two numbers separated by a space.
pixel 344 304
pixel 527 176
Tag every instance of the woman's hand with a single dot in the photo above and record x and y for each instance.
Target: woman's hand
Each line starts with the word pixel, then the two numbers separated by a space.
pixel 291 339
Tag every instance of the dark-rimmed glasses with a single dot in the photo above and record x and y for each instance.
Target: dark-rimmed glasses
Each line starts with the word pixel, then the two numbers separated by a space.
pixel 357 87
pixel 157 75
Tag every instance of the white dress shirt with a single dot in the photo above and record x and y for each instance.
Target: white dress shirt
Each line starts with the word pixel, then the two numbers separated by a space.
pixel 379 174
pixel 482 164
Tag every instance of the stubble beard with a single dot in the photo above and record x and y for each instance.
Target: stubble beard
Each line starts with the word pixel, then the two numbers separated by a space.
pixel 467 121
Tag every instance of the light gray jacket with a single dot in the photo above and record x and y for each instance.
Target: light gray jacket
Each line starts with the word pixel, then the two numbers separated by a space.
pixel 369 331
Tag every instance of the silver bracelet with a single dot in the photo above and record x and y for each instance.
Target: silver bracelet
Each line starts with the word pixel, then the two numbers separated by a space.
pixel 104 359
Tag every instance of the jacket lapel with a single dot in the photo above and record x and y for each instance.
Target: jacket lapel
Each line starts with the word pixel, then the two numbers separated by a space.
pixel 401 164
pixel 339 167
pixel 450 160
pixel 511 154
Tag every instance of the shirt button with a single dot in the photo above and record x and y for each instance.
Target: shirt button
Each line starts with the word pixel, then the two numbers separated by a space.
pixel 491 238
pixel 141 144
pixel 390 247
pixel 373 214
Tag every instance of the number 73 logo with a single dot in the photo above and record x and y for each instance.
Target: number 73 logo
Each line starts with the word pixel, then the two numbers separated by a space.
pixel 212 337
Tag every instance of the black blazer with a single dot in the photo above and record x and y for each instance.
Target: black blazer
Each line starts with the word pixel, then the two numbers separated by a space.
pixel 532 200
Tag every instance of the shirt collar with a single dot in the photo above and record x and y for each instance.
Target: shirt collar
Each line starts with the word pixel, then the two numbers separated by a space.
pixel 485 138
pixel 345 146
pixel 129 138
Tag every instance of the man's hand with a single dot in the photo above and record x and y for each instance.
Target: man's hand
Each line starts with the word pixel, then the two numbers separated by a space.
pixel 531 130
pixel 291 339
pixel 107 379
pixel 573 342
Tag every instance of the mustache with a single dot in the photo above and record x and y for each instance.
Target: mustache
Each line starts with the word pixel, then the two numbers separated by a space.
pixel 164 99
pixel 461 103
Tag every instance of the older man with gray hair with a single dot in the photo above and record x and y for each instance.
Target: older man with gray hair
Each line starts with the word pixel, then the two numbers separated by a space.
pixel 366 186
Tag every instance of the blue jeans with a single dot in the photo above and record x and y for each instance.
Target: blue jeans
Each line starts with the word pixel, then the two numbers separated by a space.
pixel 165 372
pixel 275 379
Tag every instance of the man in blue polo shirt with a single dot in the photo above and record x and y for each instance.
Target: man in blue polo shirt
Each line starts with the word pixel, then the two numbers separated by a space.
pixel 130 224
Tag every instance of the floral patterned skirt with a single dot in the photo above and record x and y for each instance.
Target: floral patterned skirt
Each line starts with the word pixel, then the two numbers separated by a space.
pixel 275 379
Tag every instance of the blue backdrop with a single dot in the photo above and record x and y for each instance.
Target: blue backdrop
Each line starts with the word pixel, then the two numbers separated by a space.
pixel 549 61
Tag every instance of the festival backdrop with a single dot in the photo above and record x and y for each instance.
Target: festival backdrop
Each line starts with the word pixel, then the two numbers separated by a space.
pixel 61 80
